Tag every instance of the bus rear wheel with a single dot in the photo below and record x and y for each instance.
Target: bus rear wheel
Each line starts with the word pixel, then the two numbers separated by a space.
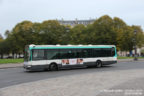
pixel 98 64
pixel 53 67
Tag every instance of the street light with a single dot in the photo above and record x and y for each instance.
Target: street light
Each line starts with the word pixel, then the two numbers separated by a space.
pixel 135 47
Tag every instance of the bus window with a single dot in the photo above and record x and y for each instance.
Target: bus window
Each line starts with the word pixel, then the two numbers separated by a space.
pixel 84 53
pixel 52 54
pixel 71 54
pixel 78 53
pixel 113 51
pixel 27 55
pixel 63 54
pixel 106 52
pixel 89 53
pixel 38 54
pixel 97 52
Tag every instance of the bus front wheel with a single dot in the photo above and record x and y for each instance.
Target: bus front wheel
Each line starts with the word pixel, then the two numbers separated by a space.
pixel 98 64
pixel 53 67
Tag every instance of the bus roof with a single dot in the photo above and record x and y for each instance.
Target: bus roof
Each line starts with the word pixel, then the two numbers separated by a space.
pixel 32 46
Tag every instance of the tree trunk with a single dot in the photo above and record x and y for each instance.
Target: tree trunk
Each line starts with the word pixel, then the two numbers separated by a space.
pixel 19 55
pixel 13 55
pixel 1 56
pixel 16 56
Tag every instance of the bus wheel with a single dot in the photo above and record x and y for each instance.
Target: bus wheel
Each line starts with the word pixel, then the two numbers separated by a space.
pixel 98 64
pixel 53 67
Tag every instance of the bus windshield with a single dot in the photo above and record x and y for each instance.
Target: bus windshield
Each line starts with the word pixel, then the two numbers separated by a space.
pixel 26 54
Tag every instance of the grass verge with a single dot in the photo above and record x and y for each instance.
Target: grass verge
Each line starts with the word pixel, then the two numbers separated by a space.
pixel 119 57
pixel 6 61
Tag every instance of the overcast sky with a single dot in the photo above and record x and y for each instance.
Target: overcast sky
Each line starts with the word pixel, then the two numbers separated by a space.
pixel 15 11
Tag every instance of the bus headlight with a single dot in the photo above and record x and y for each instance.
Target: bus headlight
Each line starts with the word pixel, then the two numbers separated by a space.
pixel 29 66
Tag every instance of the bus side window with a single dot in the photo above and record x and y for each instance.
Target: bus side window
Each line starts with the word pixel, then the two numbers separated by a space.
pixel 52 54
pixel 38 54
pixel 78 53
pixel 84 53
pixel 63 54
pixel 89 53
pixel 97 52
pixel 106 52
pixel 72 53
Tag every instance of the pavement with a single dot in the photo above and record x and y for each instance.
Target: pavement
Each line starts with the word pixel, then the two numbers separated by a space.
pixel 10 65
pixel 122 79
pixel 90 84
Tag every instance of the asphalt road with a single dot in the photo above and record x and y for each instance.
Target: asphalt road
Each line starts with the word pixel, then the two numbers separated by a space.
pixel 13 76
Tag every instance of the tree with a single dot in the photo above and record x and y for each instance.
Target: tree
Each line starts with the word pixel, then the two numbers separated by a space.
pixel 1 38
pixel 76 34
pixel 22 34
pixel 52 32
pixel 139 36
pixel 4 48
pixel 1 44
pixel 89 35
pixel 119 23
pixel 126 39
pixel 119 27
pixel 7 32
pixel 104 32
pixel 36 28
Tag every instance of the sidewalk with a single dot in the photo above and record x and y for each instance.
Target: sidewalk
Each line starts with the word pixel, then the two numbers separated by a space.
pixel 96 83
pixel 128 60
pixel 4 66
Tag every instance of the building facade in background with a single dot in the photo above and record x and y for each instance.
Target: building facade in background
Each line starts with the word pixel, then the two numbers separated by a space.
pixel 75 22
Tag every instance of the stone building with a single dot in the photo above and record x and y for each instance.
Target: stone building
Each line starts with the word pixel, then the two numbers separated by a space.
pixel 75 22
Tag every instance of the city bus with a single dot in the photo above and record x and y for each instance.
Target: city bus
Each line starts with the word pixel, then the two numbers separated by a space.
pixel 55 57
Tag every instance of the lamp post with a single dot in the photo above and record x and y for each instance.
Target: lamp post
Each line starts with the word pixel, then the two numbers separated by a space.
pixel 135 47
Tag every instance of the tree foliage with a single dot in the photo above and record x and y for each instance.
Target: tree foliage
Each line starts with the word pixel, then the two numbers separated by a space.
pixel 76 34
pixel 105 30
pixel 1 38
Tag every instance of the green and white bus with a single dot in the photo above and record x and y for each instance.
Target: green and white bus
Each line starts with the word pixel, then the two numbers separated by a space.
pixel 55 57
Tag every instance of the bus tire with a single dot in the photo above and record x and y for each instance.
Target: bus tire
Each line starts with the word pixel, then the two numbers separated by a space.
pixel 98 64
pixel 53 67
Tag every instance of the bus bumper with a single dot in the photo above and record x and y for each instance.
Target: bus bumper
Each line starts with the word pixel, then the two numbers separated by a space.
pixel 35 68
pixel 108 62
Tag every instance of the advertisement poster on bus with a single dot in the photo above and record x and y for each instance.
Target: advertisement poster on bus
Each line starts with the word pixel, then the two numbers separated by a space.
pixel 72 61
pixel 79 61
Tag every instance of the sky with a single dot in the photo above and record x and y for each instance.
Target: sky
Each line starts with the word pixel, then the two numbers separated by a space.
pixel 16 11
